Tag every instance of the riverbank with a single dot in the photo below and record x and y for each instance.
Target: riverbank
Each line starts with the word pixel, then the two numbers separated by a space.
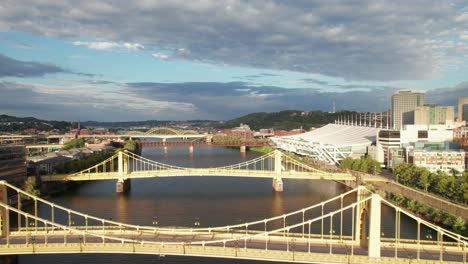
pixel 57 188
pixel 262 150
pixel 424 206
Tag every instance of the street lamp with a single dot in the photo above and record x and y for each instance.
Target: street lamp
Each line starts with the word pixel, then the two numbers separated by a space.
pixel 429 235
pixel 197 221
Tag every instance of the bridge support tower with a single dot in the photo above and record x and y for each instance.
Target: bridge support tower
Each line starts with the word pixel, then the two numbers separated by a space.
pixel 277 180
pixel 4 215
pixel 123 183
pixel 371 211
pixel 374 227
pixel 5 226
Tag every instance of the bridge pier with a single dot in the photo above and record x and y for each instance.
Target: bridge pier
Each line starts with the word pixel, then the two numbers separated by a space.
pixel 122 185
pixel 243 148
pixel 190 149
pixel 277 184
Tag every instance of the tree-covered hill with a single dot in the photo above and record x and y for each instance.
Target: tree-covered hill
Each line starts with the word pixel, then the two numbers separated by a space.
pixel 12 124
pixel 287 120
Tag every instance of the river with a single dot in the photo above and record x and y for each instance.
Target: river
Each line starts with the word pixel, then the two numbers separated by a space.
pixel 182 201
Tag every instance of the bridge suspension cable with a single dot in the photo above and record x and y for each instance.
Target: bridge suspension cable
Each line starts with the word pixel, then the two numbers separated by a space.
pixel 75 216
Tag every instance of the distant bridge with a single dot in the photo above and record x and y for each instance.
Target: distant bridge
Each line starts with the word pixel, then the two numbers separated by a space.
pixel 302 236
pixel 157 132
pixel 203 143
pixel 125 165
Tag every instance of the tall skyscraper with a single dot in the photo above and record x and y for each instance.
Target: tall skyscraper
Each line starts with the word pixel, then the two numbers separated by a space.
pixel 403 105
pixel 433 115
pixel 463 109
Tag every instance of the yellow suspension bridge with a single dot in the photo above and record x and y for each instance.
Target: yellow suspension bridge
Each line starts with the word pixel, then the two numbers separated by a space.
pixel 125 165
pixel 315 234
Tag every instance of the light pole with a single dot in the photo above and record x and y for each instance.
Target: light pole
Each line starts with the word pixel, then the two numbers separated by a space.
pixel 155 221
pixel 397 175
pixel 197 221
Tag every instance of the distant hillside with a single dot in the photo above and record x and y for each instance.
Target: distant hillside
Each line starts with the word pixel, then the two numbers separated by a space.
pixel 12 124
pixel 287 120
pixel 147 123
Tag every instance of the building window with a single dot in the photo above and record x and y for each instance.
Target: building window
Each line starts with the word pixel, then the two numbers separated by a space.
pixel 422 134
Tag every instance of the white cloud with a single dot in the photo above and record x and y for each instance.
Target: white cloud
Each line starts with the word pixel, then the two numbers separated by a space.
pixel 109 45
pixel 160 56
pixel 356 40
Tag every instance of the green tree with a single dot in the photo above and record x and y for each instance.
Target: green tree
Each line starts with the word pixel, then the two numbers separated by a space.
pixel 74 143
pixel 374 166
pixel 423 179
pixel 363 165
pixel 356 164
pixel 399 199
pixel 347 163
pixel 413 206
pixel 459 225
pixel 30 187
pixel 446 185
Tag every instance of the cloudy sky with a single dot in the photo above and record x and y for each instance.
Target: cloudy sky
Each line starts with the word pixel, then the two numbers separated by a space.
pixel 201 59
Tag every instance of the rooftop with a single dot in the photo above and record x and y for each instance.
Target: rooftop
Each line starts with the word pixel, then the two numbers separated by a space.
pixel 339 135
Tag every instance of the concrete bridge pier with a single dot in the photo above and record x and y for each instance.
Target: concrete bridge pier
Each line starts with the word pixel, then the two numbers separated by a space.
pixel 165 150
pixel 122 185
pixel 277 184
pixel 243 148
pixel 190 149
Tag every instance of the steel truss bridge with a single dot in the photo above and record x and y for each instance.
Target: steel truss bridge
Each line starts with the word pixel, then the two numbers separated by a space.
pixel 125 165
pixel 343 229
pixel 157 132
pixel 203 143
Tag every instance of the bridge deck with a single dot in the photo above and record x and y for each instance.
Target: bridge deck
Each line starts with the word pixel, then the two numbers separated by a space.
pixel 279 249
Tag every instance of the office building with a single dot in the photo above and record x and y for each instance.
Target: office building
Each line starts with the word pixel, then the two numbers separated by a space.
pixel 403 105
pixel 387 140
pixel 463 109
pixel 434 115
pixel 13 163
pixel 435 160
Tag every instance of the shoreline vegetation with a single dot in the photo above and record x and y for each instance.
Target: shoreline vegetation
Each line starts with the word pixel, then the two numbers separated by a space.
pixel 436 216
pixel 453 186
pixel 74 166
pixel 262 150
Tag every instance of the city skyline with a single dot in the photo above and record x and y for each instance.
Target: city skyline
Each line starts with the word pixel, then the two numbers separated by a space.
pixel 218 60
